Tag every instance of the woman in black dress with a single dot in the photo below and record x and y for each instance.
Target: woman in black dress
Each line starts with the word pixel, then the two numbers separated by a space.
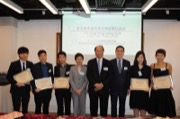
pixel 162 103
pixel 139 99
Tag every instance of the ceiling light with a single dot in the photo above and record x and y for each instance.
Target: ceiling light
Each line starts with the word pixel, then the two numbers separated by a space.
pixel 85 6
pixel 13 6
pixel 167 12
pixel 124 12
pixel 50 6
pixel 43 12
pixel 148 5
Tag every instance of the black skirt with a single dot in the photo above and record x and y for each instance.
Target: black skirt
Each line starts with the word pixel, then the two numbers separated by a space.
pixel 139 100
pixel 162 103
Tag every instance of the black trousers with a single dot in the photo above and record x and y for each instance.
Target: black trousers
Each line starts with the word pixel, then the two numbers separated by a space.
pixel 63 98
pixel 94 97
pixel 42 99
pixel 122 101
pixel 19 97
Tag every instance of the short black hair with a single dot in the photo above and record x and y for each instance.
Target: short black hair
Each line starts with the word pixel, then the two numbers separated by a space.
pixel 22 50
pixel 41 51
pixel 120 46
pixel 79 55
pixel 61 53
pixel 99 46
pixel 137 55
pixel 162 51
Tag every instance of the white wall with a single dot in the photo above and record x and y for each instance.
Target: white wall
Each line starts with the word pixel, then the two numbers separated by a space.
pixel 165 34
pixel 37 35
pixel 41 34
pixel 8 44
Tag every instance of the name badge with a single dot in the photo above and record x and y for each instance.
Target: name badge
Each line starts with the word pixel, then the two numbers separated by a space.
pixel 50 71
pixel 105 68
pixel 139 73
pixel 163 69
pixel 67 73
pixel 125 68
pixel 81 73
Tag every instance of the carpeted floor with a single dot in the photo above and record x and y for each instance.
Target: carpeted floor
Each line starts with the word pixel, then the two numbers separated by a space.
pixel 54 116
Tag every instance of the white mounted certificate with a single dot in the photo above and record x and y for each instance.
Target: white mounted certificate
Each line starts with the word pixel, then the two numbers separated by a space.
pixel 61 82
pixel 24 76
pixel 43 83
pixel 139 84
pixel 163 82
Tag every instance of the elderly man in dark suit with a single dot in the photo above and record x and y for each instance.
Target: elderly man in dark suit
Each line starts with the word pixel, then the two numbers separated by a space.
pixel 120 82
pixel 20 91
pixel 40 70
pixel 98 74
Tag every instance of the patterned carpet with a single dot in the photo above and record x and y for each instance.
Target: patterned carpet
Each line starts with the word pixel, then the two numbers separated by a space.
pixel 54 116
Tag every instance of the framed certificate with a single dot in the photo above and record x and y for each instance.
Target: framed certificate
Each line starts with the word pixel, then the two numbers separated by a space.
pixel 24 76
pixel 139 84
pixel 43 83
pixel 163 82
pixel 61 82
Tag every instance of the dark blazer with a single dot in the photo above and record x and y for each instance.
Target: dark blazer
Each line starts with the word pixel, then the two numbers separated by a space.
pixel 37 73
pixel 57 70
pixel 120 82
pixel 15 68
pixel 94 77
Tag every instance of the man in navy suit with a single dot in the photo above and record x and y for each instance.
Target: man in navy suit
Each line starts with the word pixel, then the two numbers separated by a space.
pixel 98 74
pixel 20 91
pixel 40 70
pixel 120 82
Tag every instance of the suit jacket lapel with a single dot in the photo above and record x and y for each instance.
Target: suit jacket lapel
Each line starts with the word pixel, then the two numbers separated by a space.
pixel 27 64
pixel 76 70
pixel 96 67
pixel 19 66
pixel 102 67
pixel 40 70
pixel 116 67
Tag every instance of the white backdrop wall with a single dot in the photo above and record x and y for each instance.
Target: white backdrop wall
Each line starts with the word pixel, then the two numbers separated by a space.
pixel 37 35
pixel 8 44
pixel 165 34
pixel 41 34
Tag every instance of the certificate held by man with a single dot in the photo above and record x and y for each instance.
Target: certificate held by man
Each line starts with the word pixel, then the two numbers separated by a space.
pixel 44 83
pixel 139 84
pixel 23 77
pixel 163 82
pixel 61 82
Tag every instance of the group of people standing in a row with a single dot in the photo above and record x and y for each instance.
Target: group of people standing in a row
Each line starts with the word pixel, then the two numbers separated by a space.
pixel 103 78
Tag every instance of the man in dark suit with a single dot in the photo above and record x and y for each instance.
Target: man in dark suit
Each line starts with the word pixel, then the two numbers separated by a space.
pixel 40 70
pixel 63 96
pixel 98 74
pixel 120 82
pixel 20 92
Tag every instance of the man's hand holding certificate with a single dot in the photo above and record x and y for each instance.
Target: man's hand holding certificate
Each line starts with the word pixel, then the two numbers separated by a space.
pixel 139 84
pixel 43 83
pixel 23 77
pixel 163 82
pixel 61 82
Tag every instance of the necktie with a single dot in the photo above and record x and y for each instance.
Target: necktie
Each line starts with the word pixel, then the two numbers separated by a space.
pixel 119 66
pixel 24 66
pixel 99 67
